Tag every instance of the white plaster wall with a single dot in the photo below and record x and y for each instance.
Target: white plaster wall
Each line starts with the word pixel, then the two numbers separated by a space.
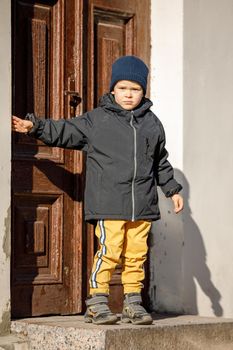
pixel 166 244
pixel 167 72
pixel 5 156
pixel 208 159
pixel 192 87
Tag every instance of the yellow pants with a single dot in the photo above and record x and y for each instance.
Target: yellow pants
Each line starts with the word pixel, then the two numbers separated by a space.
pixel 123 241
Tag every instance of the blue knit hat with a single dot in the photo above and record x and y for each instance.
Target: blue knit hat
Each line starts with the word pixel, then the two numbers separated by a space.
pixel 129 68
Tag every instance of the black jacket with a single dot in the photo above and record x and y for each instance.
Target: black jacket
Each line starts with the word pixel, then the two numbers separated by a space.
pixel 126 158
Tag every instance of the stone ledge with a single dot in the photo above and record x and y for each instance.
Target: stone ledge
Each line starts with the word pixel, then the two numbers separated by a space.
pixel 166 333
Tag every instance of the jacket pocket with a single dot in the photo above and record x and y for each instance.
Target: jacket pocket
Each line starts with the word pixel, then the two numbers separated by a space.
pixel 110 198
pixel 148 155
pixel 149 148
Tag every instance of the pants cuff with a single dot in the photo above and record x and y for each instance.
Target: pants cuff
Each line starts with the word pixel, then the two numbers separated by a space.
pixel 132 290
pixel 99 290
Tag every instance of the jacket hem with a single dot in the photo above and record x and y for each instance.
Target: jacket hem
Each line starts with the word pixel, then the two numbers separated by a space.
pixel 90 218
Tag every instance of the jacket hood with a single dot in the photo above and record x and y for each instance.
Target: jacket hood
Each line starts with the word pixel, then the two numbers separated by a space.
pixel 108 102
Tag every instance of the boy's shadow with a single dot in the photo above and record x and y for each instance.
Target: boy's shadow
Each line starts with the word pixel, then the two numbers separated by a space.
pixel 192 260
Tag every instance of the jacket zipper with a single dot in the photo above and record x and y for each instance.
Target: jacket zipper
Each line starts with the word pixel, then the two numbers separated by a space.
pixel 135 166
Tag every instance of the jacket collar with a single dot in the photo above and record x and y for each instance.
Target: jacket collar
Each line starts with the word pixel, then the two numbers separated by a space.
pixel 107 102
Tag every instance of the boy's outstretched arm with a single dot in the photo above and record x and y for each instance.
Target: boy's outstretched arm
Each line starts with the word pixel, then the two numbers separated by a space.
pixel 71 133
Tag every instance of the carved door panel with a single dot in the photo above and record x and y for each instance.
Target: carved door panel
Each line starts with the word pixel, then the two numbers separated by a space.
pixel 114 28
pixel 47 223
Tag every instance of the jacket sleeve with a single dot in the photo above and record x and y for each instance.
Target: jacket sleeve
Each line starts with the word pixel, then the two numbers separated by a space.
pixel 165 172
pixel 72 133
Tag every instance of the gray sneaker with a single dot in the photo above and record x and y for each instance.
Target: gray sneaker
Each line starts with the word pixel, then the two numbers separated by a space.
pixel 133 311
pixel 98 311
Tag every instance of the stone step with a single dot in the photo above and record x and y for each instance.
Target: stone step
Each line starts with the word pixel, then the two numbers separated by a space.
pixel 13 342
pixel 166 333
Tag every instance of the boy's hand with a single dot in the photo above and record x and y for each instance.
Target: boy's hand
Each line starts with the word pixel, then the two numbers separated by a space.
pixel 178 203
pixel 21 125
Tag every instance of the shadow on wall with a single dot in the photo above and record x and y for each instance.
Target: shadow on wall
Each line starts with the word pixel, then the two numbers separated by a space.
pixel 178 261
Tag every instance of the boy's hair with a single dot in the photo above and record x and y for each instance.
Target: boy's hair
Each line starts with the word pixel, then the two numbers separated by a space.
pixel 129 68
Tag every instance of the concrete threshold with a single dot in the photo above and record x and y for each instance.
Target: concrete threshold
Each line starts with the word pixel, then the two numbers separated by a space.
pixel 166 333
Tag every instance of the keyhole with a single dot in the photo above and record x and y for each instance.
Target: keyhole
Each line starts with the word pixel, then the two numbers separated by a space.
pixel 74 102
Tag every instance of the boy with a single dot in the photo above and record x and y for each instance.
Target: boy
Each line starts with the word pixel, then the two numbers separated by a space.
pixel 126 160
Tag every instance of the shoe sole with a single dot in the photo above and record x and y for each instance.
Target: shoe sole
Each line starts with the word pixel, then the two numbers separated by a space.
pixel 137 322
pixel 99 322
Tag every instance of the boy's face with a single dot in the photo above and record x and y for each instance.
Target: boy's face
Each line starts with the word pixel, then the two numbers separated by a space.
pixel 128 94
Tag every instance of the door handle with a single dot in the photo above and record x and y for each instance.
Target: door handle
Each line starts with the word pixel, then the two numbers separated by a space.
pixel 75 98
pixel 74 101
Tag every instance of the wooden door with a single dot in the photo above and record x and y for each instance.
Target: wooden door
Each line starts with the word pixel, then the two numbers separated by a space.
pixel 60 46
pixel 114 28
pixel 47 183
